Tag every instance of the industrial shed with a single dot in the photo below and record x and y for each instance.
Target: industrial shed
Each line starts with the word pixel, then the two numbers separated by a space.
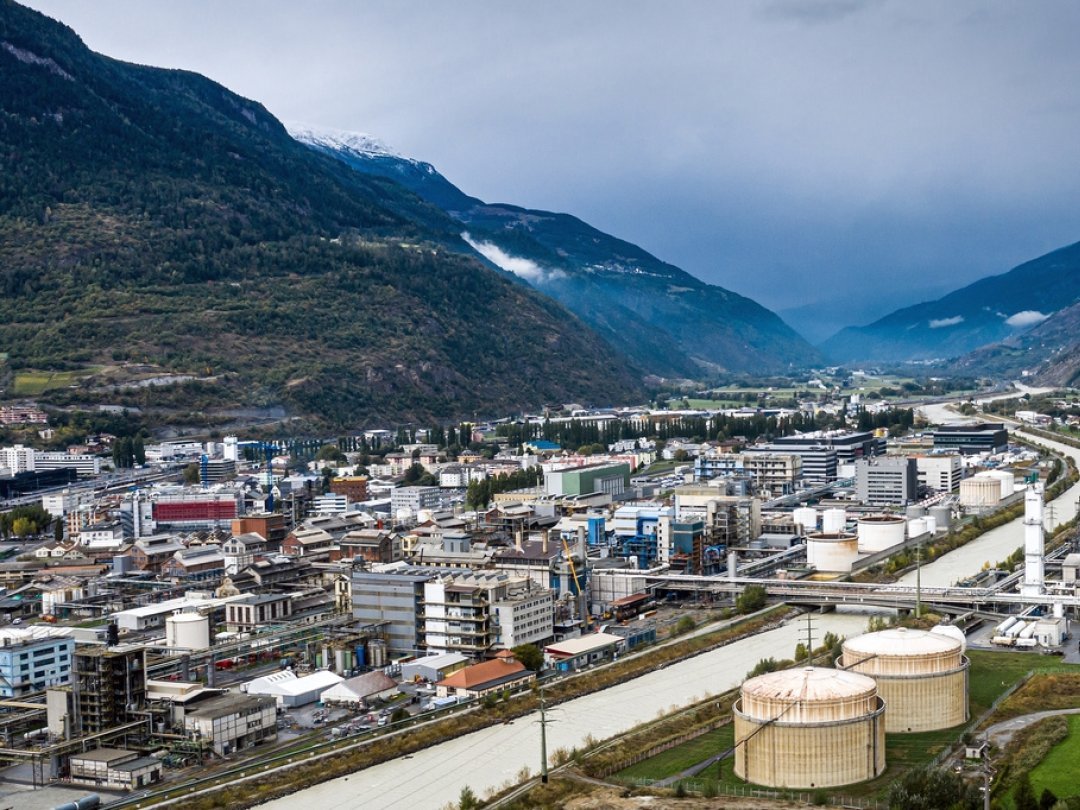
pixel 356 690
pixel 433 667
pixel 291 691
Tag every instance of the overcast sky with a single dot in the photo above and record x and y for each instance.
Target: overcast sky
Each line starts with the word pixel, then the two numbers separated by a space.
pixel 789 151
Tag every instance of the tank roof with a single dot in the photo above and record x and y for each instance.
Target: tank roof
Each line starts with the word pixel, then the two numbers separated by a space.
pixel 900 642
pixel 809 684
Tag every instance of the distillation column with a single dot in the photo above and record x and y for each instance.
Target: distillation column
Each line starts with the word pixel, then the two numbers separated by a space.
pixel 1034 545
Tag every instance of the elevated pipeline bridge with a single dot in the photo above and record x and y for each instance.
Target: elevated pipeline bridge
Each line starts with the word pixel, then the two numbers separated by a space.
pixel 901 597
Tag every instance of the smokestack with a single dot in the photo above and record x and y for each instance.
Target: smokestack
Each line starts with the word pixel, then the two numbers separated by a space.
pixel 1034 542
pixel 517 539
pixel 732 565
pixel 544 540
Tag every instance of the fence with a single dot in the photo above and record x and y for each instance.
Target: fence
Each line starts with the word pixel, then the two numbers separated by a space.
pixel 822 797
pixel 659 748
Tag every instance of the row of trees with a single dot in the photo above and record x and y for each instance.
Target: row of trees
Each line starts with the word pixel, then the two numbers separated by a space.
pixel 127 451
pixel 480 493
pixel 25 521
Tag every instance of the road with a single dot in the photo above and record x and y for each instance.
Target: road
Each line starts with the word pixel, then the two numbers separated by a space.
pixel 487 759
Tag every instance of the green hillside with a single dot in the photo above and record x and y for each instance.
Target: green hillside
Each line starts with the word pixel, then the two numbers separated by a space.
pixel 151 215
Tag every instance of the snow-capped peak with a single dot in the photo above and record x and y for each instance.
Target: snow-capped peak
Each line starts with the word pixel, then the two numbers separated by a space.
pixel 357 142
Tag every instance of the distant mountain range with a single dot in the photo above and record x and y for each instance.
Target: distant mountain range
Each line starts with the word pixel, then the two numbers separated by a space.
pixel 991 310
pixel 667 322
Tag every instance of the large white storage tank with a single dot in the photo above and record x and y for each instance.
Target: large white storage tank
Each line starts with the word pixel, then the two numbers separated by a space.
pixel 879 532
pixel 833 521
pixel 807 517
pixel 921 676
pixel 833 553
pixel 188 631
pixel 809 728
pixel 980 491
pixel 1006 479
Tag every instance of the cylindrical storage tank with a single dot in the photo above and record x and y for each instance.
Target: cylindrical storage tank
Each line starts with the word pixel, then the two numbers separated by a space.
pixel 189 631
pixel 953 632
pixel 833 521
pixel 879 532
pixel 361 656
pixel 377 653
pixel 807 517
pixel 931 524
pixel 921 676
pixel 914 511
pixel 979 491
pixel 809 728
pixel 1006 479
pixel 916 527
pixel 339 661
pixel 943 516
pixel 832 552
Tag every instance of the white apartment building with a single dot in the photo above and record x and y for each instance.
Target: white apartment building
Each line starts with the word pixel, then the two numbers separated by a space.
pixel 475 613
pixel 17 459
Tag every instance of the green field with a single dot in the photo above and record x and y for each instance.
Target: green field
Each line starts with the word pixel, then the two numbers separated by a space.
pixel 1059 770
pixel 34 383
pixel 684 756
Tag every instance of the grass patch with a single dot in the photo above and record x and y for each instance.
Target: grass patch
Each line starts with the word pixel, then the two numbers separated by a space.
pixel 1045 691
pixel 35 383
pixel 1057 771
pixel 673 761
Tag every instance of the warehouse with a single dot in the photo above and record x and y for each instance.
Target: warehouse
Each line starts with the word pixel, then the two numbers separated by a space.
pixel 291 691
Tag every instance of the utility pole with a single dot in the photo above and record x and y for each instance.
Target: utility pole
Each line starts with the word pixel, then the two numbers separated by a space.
pixel 810 637
pixel 543 740
pixel 987 773
pixel 918 579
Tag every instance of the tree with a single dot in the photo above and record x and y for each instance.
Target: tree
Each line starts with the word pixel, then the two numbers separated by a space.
pixel 58 530
pixel 801 653
pixel 399 714
pixel 22 527
pixel 191 473
pixel 751 599
pixel 529 655
pixel 467 800
pixel 330 452
pixel 138 449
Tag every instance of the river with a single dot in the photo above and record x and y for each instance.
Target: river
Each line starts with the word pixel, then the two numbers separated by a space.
pixel 486 759
pixel 999 543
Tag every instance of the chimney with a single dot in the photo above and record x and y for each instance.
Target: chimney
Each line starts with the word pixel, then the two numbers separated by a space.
pixel 544 540
pixel 517 539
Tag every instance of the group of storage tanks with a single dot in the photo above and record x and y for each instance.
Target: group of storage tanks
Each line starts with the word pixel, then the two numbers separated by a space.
pixel 832 548
pixel 817 727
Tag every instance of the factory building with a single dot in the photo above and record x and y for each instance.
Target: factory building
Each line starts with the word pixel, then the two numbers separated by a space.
pixel 234 722
pixel 809 728
pixel 31 663
pixel 940 472
pixel 921 676
pixel 887 481
pixel 612 479
pixel 986 437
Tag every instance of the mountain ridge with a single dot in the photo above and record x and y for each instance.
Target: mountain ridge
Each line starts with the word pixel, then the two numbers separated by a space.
pixel 666 320
pixel 985 312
